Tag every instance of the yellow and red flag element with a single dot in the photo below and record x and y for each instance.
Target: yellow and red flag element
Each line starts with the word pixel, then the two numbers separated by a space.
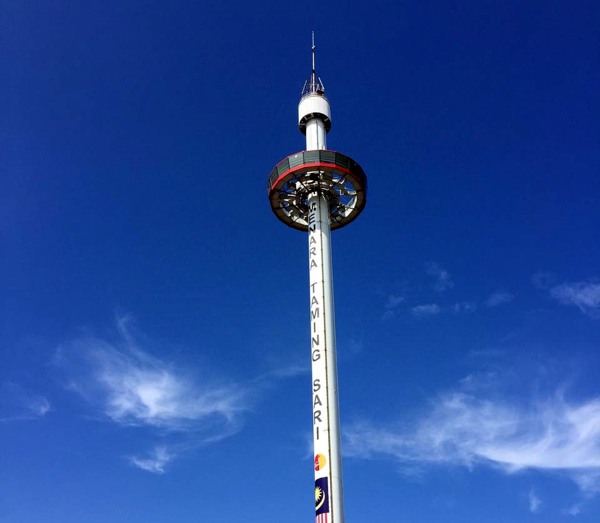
pixel 320 462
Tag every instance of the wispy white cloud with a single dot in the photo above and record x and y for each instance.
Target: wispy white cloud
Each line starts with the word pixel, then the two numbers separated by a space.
pixel 476 424
pixel 443 281
pixel 499 297
pixel 18 404
pixel 574 510
pixel 130 387
pixel 585 295
pixel 423 311
pixel 463 307
pixel 289 371
pixel 535 502
pixel 37 405
pixel 155 462
pixel 391 305
pixel 393 301
pixel 589 480
pixel 133 388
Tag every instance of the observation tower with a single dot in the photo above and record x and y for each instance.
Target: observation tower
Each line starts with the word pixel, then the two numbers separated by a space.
pixel 317 191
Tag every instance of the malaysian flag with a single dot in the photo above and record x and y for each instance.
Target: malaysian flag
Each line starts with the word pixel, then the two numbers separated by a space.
pixel 322 500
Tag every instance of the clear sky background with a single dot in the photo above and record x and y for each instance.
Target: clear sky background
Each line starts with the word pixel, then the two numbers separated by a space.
pixel 154 334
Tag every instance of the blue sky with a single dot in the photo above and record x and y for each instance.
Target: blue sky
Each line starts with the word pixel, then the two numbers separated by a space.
pixel 154 331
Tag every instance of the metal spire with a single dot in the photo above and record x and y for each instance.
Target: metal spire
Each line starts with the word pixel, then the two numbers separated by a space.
pixel 313 85
pixel 313 52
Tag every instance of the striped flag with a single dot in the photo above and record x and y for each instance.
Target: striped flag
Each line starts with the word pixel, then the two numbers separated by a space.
pixel 322 500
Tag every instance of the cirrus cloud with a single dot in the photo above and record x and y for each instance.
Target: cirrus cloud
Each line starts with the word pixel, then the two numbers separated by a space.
pixel 585 295
pixel 442 278
pixel 478 425
pixel 156 461
pixel 534 502
pixel 423 311
pixel 134 388
pixel 19 404
pixel 128 386
pixel 499 297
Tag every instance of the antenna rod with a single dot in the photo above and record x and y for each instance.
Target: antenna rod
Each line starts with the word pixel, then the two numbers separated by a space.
pixel 313 51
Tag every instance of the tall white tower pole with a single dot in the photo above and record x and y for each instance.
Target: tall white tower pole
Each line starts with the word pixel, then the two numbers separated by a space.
pixel 312 109
pixel 326 421
pixel 316 191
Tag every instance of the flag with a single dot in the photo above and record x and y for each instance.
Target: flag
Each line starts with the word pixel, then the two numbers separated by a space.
pixel 321 497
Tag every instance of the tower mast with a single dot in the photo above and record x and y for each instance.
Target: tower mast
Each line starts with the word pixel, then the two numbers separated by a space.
pixel 318 190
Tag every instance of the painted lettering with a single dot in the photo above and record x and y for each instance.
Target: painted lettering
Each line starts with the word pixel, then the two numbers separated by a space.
pixel 312 217
pixel 317 401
